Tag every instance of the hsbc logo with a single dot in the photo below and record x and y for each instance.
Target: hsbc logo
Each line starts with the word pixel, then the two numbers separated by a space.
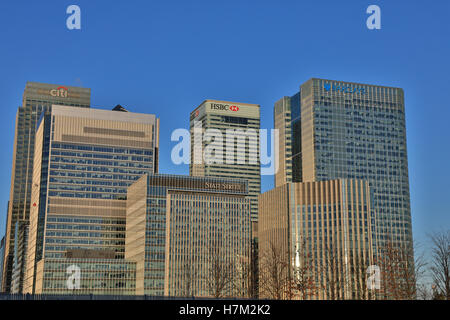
pixel 219 106
pixel 61 92
pixel 224 107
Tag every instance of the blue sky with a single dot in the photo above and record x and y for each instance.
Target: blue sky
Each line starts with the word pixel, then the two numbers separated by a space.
pixel 166 57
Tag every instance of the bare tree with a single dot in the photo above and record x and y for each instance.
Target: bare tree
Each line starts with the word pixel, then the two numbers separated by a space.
pixel 220 274
pixel 359 269
pixel 421 265
pixel 188 280
pixel 440 264
pixel 242 280
pixel 254 272
pixel 398 271
pixel 274 273
pixel 423 293
pixel 332 270
pixel 303 282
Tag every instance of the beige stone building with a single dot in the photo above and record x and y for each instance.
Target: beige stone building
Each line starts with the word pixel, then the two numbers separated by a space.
pixel 316 235
pixel 84 161
pixel 188 235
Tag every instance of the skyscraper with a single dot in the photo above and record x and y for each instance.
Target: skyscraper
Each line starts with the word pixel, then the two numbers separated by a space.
pixel 286 116
pixel 233 154
pixel 2 252
pixel 20 248
pixel 318 238
pixel 37 98
pixel 346 130
pixel 188 235
pixel 282 123
pixel 84 161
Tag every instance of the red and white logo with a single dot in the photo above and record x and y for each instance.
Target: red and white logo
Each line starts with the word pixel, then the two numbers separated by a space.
pixel 234 108
pixel 59 92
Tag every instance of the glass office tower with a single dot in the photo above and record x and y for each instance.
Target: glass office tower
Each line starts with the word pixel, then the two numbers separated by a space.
pixel 357 131
pixel 282 123
pixel 83 163
pixel 286 115
pixel 179 228
pixel 20 248
pixel 37 98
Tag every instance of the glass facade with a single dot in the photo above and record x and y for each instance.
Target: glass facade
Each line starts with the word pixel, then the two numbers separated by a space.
pixel 19 265
pixel 356 131
pixel 363 136
pixel 37 99
pixel 97 276
pixel 152 207
pixel 202 228
pixel 323 231
pixel 81 180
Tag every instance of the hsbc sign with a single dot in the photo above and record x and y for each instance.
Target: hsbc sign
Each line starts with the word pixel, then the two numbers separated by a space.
pixel 224 107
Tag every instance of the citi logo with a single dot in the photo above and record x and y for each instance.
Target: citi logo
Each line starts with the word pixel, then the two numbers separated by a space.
pixel 234 108
pixel 61 92
pixel 345 89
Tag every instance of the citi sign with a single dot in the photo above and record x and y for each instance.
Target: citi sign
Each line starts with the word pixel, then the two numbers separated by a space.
pixel 224 107
pixel 61 92
pixel 344 89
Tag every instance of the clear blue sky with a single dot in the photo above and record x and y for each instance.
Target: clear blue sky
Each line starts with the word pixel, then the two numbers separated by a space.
pixel 166 57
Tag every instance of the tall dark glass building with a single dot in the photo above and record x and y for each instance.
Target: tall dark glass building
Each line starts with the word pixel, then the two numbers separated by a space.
pixel 346 130
pixel 37 99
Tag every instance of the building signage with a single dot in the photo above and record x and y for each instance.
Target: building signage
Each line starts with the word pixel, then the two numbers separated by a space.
pixel 61 92
pixel 224 107
pixel 344 89
pixel 223 186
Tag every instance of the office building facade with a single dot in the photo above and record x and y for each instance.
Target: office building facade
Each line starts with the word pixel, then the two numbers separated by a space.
pixel 37 99
pixel 20 248
pixel 357 131
pixel 2 253
pixel 236 152
pixel 96 276
pixel 180 227
pixel 286 115
pixel 322 233
pixel 84 161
